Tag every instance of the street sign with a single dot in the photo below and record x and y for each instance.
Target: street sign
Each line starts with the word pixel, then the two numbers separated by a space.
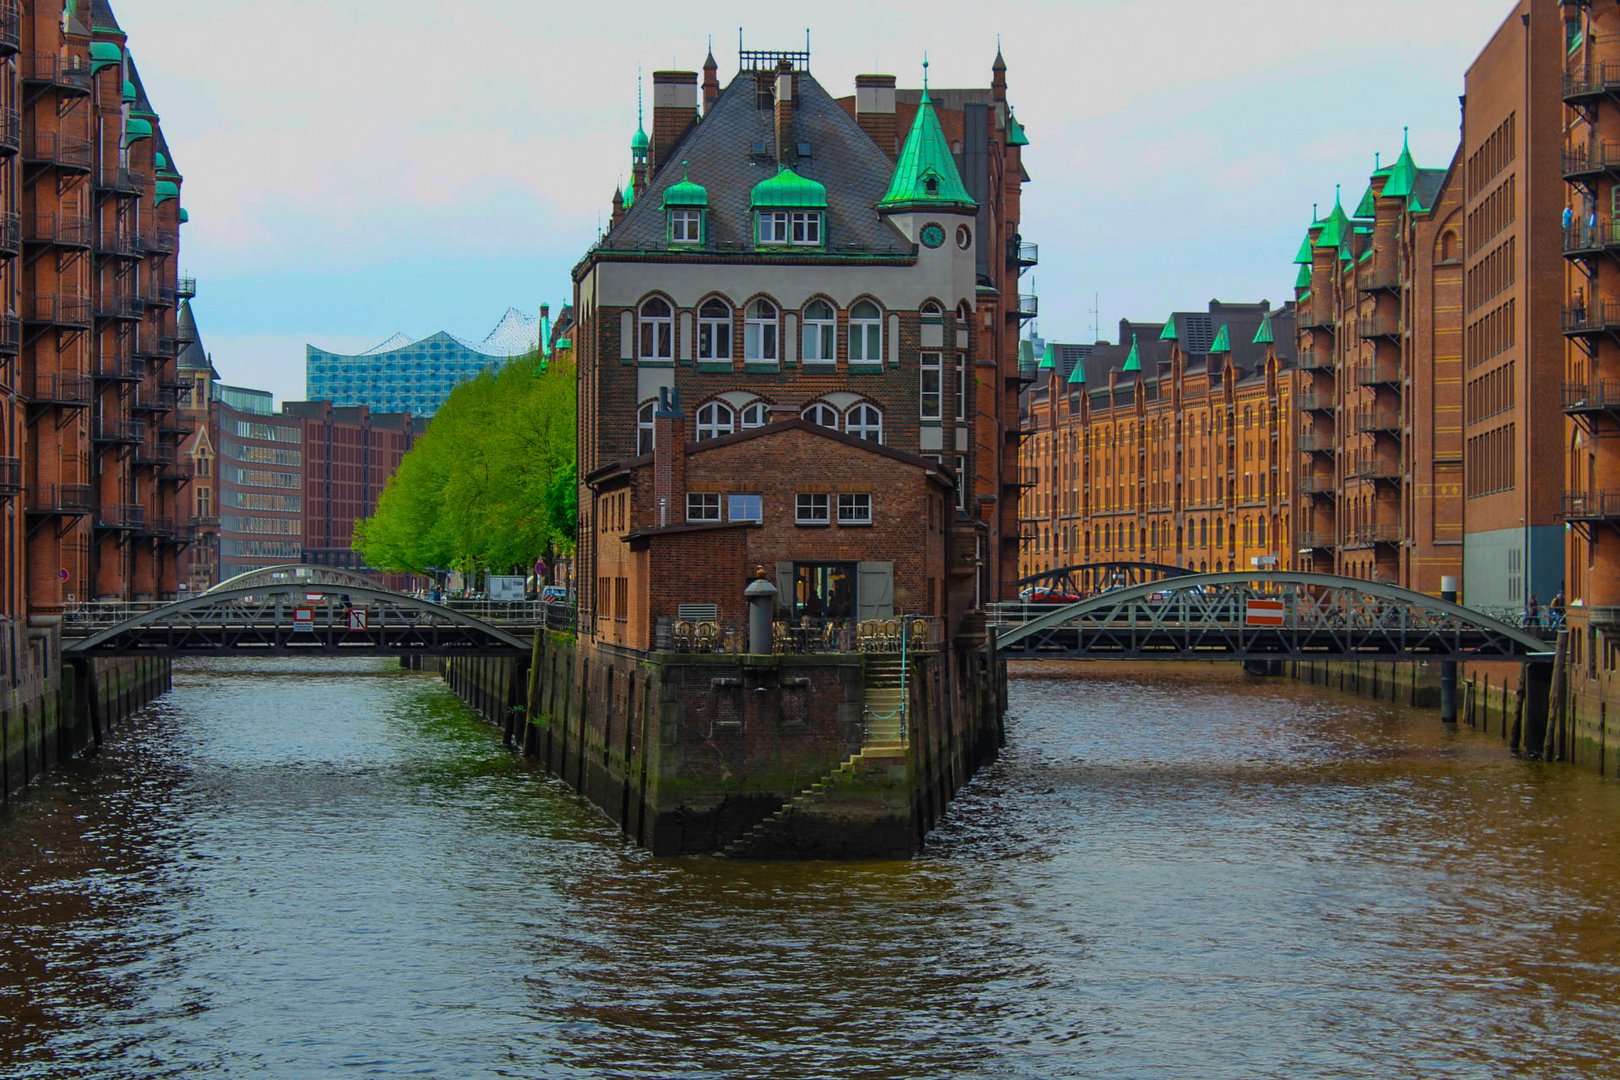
pixel 314 597
pixel 357 618
pixel 1260 612
pixel 303 620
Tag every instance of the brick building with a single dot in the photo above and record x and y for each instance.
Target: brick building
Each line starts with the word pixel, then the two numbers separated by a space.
pixel 1381 465
pixel 259 478
pixel 1174 446
pixel 199 510
pixel 89 227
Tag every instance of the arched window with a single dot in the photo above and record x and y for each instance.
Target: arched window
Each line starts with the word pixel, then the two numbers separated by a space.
pixel 865 333
pixel 715 419
pixel 644 427
pixel 714 330
pixel 1263 532
pixel 754 414
pixel 821 414
pixel 759 332
pixel 964 315
pixel 820 333
pixel 657 329
pixel 865 422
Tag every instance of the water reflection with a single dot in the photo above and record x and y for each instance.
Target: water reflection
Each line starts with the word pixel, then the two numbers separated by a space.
pixel 295 871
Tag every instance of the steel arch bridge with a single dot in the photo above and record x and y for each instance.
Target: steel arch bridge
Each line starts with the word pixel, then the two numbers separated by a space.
pixel 301 574
pixel 1086 578
pixel 288 619
pixel 1270 615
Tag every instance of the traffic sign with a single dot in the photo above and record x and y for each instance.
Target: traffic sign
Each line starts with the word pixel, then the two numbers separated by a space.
pixel 1262 612
pixel 357 618
pixel 303 620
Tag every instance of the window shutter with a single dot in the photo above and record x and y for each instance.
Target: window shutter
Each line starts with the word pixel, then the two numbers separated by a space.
pixel 874 590
pixel 784 587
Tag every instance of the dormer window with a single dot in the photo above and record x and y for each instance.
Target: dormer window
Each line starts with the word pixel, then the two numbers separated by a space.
pixel 807 228
pixel 686 226
pixel 686 204
pixel 789 211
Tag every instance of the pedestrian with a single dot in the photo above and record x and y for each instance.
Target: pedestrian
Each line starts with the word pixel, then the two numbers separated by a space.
pixel 1569 222
pixel 1579 306
pixel 1532 612
pixel 1555 608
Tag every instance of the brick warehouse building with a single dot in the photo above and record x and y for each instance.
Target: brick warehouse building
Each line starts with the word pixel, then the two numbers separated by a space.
pixel 89 475
pixel 779 342
pixel 1174 446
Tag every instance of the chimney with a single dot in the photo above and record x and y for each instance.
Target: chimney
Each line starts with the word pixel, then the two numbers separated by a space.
pixel 675 110
pixel 787 147
pixel 669 459
pixel 998 76
pixel 711 83
pixel 618 208
pixel 874 110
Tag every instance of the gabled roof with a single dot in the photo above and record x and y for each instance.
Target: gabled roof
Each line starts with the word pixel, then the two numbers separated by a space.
pixel 1426 189
pixel 719 153
pixel 925 174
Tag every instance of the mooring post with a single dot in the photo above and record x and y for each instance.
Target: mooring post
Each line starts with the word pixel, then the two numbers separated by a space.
pixel 1448 668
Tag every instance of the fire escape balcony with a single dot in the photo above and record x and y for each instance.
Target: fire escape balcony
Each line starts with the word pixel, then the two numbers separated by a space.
pixel 115 368
pixel 120 517
pixel 154 346
pixel 11 482
pixel 160 527
pixel 1589 241
pixel 1379 326
pixel 1027 308
pixel 177 423
pixel 1022 256
pixel 10 335
pixel 1374 467
pixel 160 296
pixel 1379 373
pixel 49 388
pixel 187 289
pixel 1376 275
pixel 57 230
pixel 153 401
pixel 122 306
pixel 158 243
pixel 10 29
pixel 1592 506
pixel 177 471
pixel 1366 536
pixel 1316 442
pixel 59 500
pixel 49 149
pixel 1315 359
pixel 1598 397
pixel 1597 319
pixel 1316 485
pixel 1316 541
pixel 1314 401
pixel 1586 163
pixel 150 453
pixel 10 234
pixel 119 180
pixel 120 245
pixel 69 74
pixel 10 131
pixel 1314 320
pixel 115 430
pixel 1584 88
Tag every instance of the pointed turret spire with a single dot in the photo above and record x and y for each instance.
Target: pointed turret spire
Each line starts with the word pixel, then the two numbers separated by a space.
pixel 1049 359
pixel 1403 174
pixel 1169 333
pixel 1077 374
pixel 925 175
pixel 998 75
pixel 1264 336
pixel 1133 362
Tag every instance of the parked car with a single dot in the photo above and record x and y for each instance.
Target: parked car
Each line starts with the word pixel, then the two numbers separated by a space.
pixel 1041 594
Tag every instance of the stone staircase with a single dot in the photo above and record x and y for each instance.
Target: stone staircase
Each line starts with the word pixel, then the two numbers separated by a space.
pixel 884 745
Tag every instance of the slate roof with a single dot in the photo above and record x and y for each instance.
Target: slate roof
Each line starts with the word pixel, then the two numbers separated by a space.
pixel 719 150
pixel 1242 323
pixel 99 14
pixel 193 357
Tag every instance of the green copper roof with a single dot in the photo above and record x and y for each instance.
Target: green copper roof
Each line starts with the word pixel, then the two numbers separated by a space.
pixel 1133 362
pixel 185 215
pixel 1223 341
pixel 1335 227
pixel 1169 333
pixel 159 161
pixel 1303 281
pixel 630 191
pixel 1264 336
pixel 1049 359
pixel 1403 174
pixel 1077 377
pixel 1304 254
pixel 926 173
pixel 788 189
pixel 129 92
pixel 1015 133
pixel 104 54
pixel 639 140
pixel 1366 207
pixel 163 191
pixel 686 193
pixel 136 130
pixel 1026 354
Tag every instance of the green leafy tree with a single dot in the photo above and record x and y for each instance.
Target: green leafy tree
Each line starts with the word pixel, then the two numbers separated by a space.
pixel 490 485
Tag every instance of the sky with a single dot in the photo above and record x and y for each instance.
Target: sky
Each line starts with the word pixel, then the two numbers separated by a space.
pixel 359 168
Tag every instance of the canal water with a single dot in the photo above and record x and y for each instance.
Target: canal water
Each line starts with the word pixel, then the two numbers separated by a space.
pixel 288 870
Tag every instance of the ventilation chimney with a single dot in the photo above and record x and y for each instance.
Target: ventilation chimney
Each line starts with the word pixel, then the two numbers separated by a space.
pixel 669 458
pixel 675 110
pixel 711 83
pixel 874 110
pixel 787 150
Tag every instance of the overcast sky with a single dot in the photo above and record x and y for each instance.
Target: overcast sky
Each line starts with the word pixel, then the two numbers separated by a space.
pixel 357 168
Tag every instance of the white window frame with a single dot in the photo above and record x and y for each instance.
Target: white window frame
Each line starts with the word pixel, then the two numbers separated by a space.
pixel 865 334
pixel 961 386
pixel 715 419
pixel 644 426
pixel 702 506
pixel 805 228
pixel 773 226
pixel 750 508
pixel 821 414
pixel 812 508
pixel 655 334
pixel 820 334
pixel 930 387
pixel 755 414
pixel 685 225
pixel 714 331
pixel 855 508
pixel 963 483
pixel 762 334
pixel 864 421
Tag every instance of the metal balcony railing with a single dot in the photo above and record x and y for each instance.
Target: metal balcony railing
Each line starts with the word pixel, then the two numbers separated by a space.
pixel 1316 541
pixel 49 148
pixel 10 28
pixel 115 368
pixel 10 335
pixel 1316 485
pixel 160 243
pixel 64 499
pixel 1368 535
pixel 1373 467
pixel 188 288
pixel 120 516
pixel 177 423
pixel 120 181
pixel 112 305
pixel 1584 320
pixel 1316 442
pixel 50 388
pixel 1376 326
pixel 1590 159
pixel 153 401
pixel 205 521
pixel 1311 319
pixel 1379 373
pixel 10 233
pixel 1592 237
pixel 1022 255
pixel 1378 420
pixel 60 230
pixel 1597 396
pixel 1599 79
pixel 70 74
pixel 120 245
pixel 178 471
pixel 10 130
pixel 1314 401
pixel 1316 359
pixel 1592 505
pixel 1375 275
pixel 11 482
pixel 109 429
pixel 152 453
pixel 1029 306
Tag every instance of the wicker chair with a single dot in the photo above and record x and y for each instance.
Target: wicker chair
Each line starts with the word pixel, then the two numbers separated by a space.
pixel 707 634
pixel 682 635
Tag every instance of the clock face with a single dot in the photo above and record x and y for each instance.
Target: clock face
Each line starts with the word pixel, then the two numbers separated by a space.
pixel 933 235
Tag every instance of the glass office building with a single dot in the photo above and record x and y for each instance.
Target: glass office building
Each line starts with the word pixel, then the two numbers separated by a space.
pixel 414 376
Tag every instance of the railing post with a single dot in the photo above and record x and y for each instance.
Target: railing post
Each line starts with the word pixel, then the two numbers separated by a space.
pixel 1448 668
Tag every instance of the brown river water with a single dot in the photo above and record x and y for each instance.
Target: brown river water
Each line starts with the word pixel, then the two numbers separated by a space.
pixel 295 870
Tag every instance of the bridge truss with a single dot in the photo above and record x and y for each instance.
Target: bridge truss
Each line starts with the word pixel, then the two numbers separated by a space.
pixel 303 574
pixel 298 618
pixel 1270 615
pixel 1086 578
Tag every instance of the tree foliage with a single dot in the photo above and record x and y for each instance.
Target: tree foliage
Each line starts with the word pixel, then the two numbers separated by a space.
pixel 490 485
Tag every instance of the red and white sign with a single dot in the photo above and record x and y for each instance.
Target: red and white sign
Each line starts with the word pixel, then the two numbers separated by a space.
pixel 357 618
pixel 1259 612
pixel 314 597
pixel 303 620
